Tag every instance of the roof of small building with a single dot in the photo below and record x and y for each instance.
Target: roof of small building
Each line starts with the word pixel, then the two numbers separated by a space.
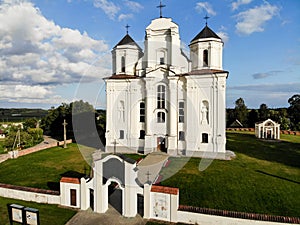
pixel 166 190
pixel 265 121
pixel 71 180
pixel 206 32
pixel 127 40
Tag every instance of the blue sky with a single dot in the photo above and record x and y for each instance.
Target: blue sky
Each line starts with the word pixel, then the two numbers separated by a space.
pixel 54 51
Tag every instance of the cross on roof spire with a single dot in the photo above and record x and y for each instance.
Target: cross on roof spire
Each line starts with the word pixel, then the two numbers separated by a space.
pixel 206 18
pixel 127 26
pixel 160 6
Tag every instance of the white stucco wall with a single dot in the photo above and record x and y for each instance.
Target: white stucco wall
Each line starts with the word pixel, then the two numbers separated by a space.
pixel 203 219
pixel 65 189
pixel 29 196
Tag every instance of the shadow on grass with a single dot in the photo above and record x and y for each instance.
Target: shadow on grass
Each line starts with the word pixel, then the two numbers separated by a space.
pixel 283 152
pixel 73 174
pixel 272 175
pixel 54 186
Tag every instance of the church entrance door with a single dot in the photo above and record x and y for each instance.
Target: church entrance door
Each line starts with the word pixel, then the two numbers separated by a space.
pixel 161 144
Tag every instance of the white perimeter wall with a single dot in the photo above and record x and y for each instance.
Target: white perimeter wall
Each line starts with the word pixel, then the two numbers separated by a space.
pixel 29 196
pixel 203 219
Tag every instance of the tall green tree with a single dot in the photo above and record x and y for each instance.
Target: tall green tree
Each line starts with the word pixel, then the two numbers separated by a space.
pixel 263 112
pixel 294 111
pixel 252 118
pixel 241 111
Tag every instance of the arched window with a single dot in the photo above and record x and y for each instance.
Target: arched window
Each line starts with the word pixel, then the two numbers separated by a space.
pixel 161 116
pixel 205 58
pixel 123 64
pixel 161 57
pixel 161 95
pixel 142 111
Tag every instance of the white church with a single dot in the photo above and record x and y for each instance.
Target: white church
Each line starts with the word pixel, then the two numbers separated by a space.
pixel 160 99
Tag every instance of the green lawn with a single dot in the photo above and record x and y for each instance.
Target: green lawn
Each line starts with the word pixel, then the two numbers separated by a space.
pixel 264 178
pixel 45 168
pixel 49 214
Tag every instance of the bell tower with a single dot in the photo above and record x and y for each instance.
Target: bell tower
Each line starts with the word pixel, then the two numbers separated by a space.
pixel 125 55
pixel 206 50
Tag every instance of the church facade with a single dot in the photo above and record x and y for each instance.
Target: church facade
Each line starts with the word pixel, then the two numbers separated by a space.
pixel 160 99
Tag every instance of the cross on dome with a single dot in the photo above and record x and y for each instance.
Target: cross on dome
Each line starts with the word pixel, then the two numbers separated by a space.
pixel 160 6
pixel 127 26
pixel 206 18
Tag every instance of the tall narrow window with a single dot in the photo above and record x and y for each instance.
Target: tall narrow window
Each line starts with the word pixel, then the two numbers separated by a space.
pixel 123 64
pixel 181 136
pixel 161 95
pixel 181 112
pixel 142 134
pixel 121 134
pixel 205 58
pixel 161 116
pixel 162 61
pixel 142 111
pixel 204 138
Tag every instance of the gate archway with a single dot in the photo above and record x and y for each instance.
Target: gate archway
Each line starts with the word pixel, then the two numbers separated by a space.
pixel 116 184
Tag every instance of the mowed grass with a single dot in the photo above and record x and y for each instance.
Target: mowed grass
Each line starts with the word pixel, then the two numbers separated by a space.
pixel 49 214
pixel 45 168
pixel 264 177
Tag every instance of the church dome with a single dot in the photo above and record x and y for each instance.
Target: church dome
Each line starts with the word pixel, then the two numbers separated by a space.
pixel 206 32
pixel 162 24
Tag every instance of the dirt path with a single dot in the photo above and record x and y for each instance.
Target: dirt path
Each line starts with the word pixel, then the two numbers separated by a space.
pixel 111 217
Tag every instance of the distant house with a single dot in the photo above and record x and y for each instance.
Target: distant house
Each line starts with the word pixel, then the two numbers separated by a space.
pixel 267 129
pixel 2 134
pixel 236 124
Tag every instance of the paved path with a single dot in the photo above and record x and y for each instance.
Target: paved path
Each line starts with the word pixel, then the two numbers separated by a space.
pixel 111 217
pixel 150 167
pixel 47 143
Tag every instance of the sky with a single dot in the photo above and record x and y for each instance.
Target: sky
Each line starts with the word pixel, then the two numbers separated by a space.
pixel 59 51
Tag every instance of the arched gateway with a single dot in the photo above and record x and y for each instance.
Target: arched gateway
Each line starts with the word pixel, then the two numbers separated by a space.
pixel 116 182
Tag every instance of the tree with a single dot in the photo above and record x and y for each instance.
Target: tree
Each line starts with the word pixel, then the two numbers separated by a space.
pixel 294 111
pixel 252 118
pixel 241 111
pixel 81 119
pixel 263 112
pixel 30 123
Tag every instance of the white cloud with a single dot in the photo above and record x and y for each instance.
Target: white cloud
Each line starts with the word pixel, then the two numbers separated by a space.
pixel 205 6
pixel 238 3
pixel 36 53
pixel 223 35
pixel 254 19
pixel 124 17
pixel 134 6
pixel 108 7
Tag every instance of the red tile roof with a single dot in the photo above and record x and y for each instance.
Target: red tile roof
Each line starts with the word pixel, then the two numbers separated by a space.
pixel 166 190
pixel 71 180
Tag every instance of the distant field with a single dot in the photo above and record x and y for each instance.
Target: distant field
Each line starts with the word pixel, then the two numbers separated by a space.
pixel 49 214
pixel 264 178
pixel 21 114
